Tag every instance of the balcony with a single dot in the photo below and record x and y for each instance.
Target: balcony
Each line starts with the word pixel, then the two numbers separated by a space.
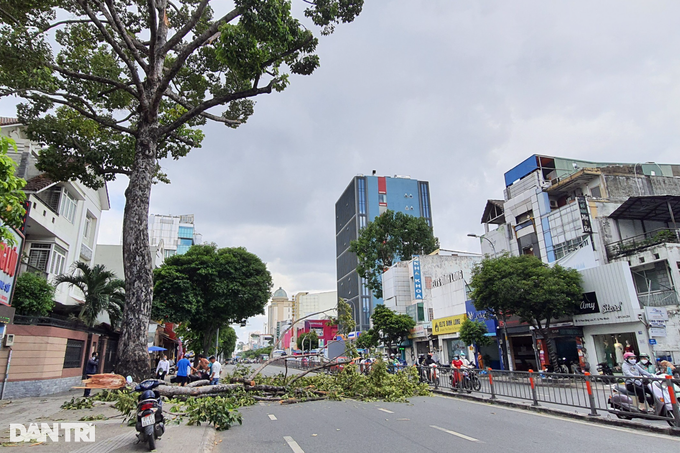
pixel 85 252
pixel 658 298
pixel 634 244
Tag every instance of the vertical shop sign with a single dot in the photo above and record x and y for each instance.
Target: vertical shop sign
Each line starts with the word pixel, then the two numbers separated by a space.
pixel 417 280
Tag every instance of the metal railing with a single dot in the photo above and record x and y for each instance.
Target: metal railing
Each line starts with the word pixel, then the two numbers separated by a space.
pixel 658 298
pixel 633 244
pixel 599 393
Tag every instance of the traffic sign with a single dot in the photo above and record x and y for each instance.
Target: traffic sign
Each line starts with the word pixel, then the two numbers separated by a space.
pixel 652 341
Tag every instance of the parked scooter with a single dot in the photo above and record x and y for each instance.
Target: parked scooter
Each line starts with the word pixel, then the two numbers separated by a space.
pixel 604 370
pixel 150 422
pixel 626 403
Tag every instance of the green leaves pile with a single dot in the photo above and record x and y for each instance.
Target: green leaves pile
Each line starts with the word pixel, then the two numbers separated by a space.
pixel 219 411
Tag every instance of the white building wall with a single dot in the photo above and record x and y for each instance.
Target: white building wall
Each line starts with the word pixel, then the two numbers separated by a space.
pixel 315 302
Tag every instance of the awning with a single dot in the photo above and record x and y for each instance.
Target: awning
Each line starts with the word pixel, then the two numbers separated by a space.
pixel 661 208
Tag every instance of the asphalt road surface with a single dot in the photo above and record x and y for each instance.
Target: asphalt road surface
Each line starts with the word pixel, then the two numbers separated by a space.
pixel 426 424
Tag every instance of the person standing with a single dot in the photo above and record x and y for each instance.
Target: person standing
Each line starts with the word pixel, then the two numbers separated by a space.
pixel 215 370
pixel 91 368
pixel 163 368
pixel 183 366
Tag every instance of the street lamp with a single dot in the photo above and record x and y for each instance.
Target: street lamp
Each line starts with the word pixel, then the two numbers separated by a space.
pixel 505 330
pixel 493 247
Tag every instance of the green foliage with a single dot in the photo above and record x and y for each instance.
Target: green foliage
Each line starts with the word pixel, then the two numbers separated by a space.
pixel 308 341
pixel 193 340
pixel 77 403
pixel 368 339
pixel 472 333
pixel 107 395
pixel 12 211
pixel 126 404
pixel 91 418
pixel 33 295
pixel 526 287
pixel 255 353
pixel 391 237
pixel 389 327
pixel 210 287
pixel 218 411
pixel 103 292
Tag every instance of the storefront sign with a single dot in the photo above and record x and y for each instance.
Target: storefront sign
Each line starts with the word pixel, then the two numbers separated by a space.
pixel 418 331
pixel 585 215
pixel 656 314
pixel 417 280
pixel 9 264
pixel 589 304
pixel 474 315
pixel 613 298
pixel 657 331
pixel 450 324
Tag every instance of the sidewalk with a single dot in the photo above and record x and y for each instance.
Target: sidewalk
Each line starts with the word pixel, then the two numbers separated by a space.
pixel 111 435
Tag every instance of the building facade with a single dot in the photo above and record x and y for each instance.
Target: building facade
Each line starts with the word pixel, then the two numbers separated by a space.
pixel 305 304
pixel 364 199
pixel 175 233
pixel 279 310
pixel 616 224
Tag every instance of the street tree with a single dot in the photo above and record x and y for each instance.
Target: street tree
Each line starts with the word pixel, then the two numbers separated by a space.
pixel 112 88
pixel 102 291
pixel 12 210
pixel 391 237
pixel 33 295
pixel 474 333
pixel 211 288
pixel 192 340
pixel 528 288
pixel 389 328
pixel 308 341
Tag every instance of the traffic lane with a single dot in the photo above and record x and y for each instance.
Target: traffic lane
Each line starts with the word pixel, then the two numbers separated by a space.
pixel 428 424
pixel 517 430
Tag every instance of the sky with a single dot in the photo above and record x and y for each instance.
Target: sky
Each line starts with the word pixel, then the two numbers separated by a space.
pixel 454 92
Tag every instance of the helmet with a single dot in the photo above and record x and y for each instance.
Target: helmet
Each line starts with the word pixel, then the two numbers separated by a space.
pixel 628 355
pixel 643 354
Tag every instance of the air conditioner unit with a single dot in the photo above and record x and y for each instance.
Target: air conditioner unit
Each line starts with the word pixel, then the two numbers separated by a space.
pixel 9 339
pixel 553 204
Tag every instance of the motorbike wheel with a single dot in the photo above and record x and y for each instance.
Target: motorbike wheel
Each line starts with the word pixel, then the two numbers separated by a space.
pixel 476 384
pixel 148 430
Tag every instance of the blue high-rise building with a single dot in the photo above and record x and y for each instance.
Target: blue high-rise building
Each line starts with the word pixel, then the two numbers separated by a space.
pixel 365 198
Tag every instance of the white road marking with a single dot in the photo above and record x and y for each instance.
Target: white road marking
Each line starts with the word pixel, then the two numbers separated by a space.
pixel 462 436
pixel 385 410
pixel 571 420
pixel 293 445
pixel 272 417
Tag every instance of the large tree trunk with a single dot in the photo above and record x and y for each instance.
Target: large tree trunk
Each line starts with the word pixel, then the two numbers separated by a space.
pixel 133 357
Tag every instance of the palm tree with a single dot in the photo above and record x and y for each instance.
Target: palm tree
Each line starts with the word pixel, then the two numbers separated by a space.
pixel 103 292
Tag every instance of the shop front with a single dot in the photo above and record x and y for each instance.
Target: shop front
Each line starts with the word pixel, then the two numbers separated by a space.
pixel 610 316
pixel 490 355
pixel 447 331
pixel 420 342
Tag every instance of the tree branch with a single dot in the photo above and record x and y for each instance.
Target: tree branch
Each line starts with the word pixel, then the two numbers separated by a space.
pixel 198 110
pixel 182 32
pixel 94 78
pixel 187 105
pixel 115 21
pixel 70 21
pixel 114 45
pixel 188 50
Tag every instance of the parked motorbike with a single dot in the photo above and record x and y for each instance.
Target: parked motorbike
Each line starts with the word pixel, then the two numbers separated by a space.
pixel 604 371
pixel 150 422
pixel 626 402
pixel 468 379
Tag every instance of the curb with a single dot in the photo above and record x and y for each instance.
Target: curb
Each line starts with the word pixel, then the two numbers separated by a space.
pixel 583 417
pixel 208 441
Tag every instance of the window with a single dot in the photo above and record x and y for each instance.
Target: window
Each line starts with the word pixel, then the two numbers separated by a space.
pixel 596 192
pixel 74 353
pixel 382 199
pixel 39 256
pixel 186 232
pixel 88 230
pixel 58 260
pixel 68 206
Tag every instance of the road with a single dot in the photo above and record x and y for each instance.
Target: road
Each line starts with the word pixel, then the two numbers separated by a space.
pixel 426 424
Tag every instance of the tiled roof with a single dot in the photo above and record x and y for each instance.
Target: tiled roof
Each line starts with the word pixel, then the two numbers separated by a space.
pixel 37 183
pixel 4 121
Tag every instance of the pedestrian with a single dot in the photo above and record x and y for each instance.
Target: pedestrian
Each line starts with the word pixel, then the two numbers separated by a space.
pixel 203 366
pixel 215 369
pixel 163 368
pixel 183 366
pixel 91 368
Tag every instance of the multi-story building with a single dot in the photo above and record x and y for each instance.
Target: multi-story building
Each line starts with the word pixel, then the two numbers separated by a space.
pixel 63 217
pixel 616 223
pixel 304 304
pixel 364 199
pixel 176 232
pixel 433 290
pixel 280 309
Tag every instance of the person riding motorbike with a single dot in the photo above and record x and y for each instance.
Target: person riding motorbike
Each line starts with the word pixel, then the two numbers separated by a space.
pixel 646 363
pixel 632 369
pixel 457 364
pixel 427 364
